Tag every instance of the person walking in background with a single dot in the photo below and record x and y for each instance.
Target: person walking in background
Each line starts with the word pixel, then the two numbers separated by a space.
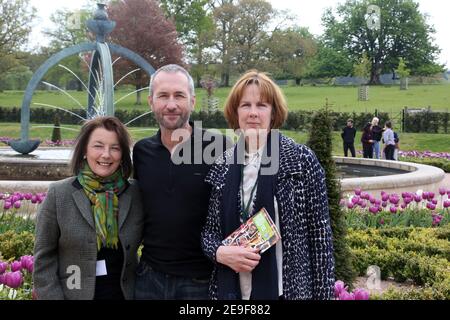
pixel 397 146
pixel 367 141
pixel 377 133
pixel 348 137
pixel 389 141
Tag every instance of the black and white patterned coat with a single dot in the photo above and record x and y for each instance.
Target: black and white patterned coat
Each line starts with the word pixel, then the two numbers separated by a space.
pixel 308 263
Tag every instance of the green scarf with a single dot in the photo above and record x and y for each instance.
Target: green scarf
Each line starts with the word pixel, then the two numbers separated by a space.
pixel 102 192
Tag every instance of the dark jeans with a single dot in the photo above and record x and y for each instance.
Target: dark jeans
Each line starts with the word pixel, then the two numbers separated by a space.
pixel 368 151
pixel 351 146
pixel 389 152
pixel 154 285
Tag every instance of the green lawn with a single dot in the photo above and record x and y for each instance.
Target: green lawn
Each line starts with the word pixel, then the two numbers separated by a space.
pixel 343 99
pixel 408 141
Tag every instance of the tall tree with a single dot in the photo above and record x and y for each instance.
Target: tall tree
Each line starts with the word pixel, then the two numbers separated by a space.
pixel 15 26
pixel 320 141
pixel 329 63
pixel 195 27
pixel 403 31
pixel 142 27
pixel 225 13
pixel 69 28
pixel 250 25
pixel 289 53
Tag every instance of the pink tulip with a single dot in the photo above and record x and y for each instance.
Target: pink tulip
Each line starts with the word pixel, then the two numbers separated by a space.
pixel 447 204
pixel 355 200
pixel 408 200
pixel 393 209
pixel 403 205
pixel 431 195
pixel 346 296
pixel 17 204
pixel 417 198
pixel 350 205
pixel 361 294
pixel 28 196
pixel 339 286
pixel 442 191
pixel 16 266
pixel 358 191
pixel 13 279
pixel 3 267
pixel 7 205
pixel 34 199
pixel 434 201
pixel 27 263
pixel 378 202
pixel 373 210
pixel 425 195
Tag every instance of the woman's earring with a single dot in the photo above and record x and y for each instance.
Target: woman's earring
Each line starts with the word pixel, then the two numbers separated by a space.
pixel 84 157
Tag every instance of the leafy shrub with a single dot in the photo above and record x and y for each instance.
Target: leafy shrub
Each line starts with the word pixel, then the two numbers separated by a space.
pixel 14 245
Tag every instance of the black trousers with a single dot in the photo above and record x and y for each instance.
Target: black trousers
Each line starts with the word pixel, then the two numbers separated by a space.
pixel 368 151
pixel 389 152
pixel 351 146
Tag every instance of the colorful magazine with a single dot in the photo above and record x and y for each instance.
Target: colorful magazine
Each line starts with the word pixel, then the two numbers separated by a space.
pixel 259 232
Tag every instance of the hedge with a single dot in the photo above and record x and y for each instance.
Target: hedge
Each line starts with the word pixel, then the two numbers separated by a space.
pixel 297 120
pixel 418 254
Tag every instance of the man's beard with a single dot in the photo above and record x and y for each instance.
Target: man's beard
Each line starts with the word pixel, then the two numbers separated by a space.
pixel 180 123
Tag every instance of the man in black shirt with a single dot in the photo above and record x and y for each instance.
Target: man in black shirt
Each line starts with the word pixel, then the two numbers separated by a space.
pixel 170 168
pixel 348 136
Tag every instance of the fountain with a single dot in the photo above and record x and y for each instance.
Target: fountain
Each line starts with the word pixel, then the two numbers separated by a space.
pixel 101 67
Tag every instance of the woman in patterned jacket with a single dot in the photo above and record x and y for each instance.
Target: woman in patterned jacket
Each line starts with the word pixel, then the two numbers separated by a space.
pixel 268 170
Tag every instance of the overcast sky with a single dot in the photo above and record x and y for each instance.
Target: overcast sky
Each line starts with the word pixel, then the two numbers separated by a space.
pixel 308 13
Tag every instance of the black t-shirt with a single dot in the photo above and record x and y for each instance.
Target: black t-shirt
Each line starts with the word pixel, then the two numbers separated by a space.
pixel 175 199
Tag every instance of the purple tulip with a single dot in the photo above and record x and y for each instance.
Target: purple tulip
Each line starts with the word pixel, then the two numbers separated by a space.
pixel 350 205
pixel 384 204
pixel 16 266
pixel 417 198
pixel 7 205
pixel 393 209
pixel 408 200
pixel 382 221
pixel 346 296
pixel 339 286
pixel 355 200
pixel 34 199
pixel 372 199
pixel 448 192
pixel 394 199
pixel 13 279
pixel 358 191
pixel 17 204
pixel 364 205
pixel 385 197
pixel 403 205
pixel 431 206
pixel 425 195
pixel 378 202
pixel 27 263
pixel 431 195
pixel 380 209
pixel 361 294
pixel 3 267
pixel 28 196
pixel 447 204
pixel 442 191
pixel 373 210
pixel 434 201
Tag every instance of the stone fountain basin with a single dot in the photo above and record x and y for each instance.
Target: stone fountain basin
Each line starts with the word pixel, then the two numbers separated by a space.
pixel 34 173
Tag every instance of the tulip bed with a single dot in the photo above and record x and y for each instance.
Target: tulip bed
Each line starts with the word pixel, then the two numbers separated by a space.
pixel 418 254
pixel 407 236
pixel 16 243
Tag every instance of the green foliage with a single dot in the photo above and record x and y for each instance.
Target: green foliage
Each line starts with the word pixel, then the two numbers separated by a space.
pixel 418 254
pixel 362 68
pixel 411 217
pixel 56 134
pixel 440 163
pixel 402 70
pixel 403 32
pixel 14 245
pixel 320 141
pixel 329 63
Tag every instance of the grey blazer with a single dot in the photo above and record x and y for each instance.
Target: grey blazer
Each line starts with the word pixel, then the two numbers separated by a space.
pixel 65 251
